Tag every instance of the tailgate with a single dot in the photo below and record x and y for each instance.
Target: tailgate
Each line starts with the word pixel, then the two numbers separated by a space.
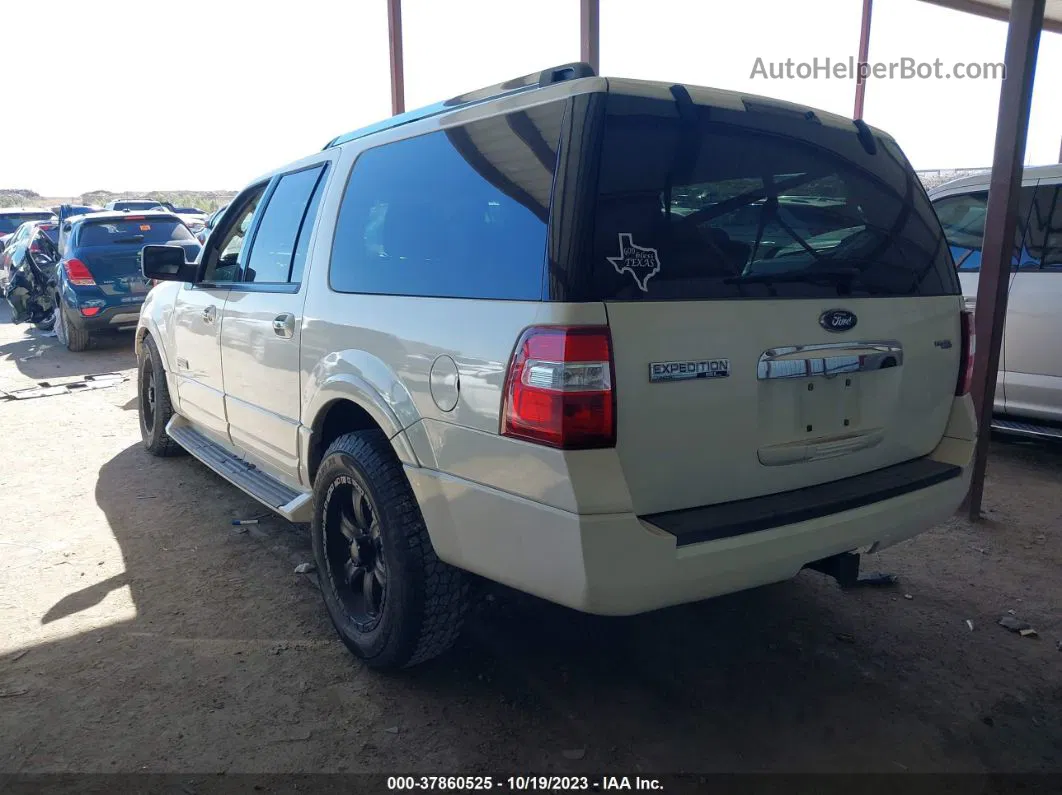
pixel 724 401
pixel 783 307
pixel 116 269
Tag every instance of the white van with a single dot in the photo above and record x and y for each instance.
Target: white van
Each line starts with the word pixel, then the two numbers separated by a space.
pixel 1029 387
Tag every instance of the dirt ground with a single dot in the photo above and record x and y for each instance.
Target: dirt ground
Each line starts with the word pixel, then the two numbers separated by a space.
pixel 139 632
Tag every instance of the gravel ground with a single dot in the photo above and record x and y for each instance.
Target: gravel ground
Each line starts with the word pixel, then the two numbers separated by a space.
pixel 139 632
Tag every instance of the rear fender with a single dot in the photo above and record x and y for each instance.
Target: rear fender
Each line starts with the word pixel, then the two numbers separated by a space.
pixel 367 382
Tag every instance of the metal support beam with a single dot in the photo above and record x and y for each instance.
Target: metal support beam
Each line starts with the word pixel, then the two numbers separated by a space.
pixel 394 40
pixel 590 33
pixel 1012 127
pixel 864 51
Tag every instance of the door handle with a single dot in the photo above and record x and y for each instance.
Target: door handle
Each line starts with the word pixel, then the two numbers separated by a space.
pixel 209 313
pixel 284 325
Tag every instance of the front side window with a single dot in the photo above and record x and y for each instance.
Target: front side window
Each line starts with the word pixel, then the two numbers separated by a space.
pixel 275 241
pixel 459 213
pixel 222 261
pixel 692 206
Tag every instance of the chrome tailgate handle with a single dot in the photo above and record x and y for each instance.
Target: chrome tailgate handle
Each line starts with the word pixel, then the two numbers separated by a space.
pixel 828 359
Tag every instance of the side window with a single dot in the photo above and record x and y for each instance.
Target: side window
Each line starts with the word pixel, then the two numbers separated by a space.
pixel 276 241
pixel 1044 241
pixel 963 219
pixel 223 261
pixel 459 213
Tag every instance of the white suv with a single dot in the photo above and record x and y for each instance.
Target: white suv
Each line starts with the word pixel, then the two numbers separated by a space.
pixel 615 343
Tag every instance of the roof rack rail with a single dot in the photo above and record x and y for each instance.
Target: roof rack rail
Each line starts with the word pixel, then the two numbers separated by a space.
pixel 547 77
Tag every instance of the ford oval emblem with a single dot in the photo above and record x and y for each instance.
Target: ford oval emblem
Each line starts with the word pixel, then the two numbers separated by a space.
pixel 837 320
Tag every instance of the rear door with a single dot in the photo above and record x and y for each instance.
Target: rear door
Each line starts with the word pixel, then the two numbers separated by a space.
pixel 783 308
pixel 198 318
pixel 263 324
pixel 1034 314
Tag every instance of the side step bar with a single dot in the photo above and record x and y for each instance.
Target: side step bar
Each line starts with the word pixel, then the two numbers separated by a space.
pixel 1030 430
pixel 295 506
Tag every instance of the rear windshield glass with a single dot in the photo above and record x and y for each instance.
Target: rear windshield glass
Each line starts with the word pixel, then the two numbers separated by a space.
pixel 696 208
pixel 135 205
pixel 10 222
pixel 139 232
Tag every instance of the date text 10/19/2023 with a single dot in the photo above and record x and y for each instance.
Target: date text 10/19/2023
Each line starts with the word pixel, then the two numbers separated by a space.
pixel 523 783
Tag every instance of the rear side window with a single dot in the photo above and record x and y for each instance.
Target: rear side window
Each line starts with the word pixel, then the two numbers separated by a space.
pixel 133 231
pixel 277 241
pixel 9 223
pixel 716 204
pixel 963 219
pixel 1044 239
pixel 459 213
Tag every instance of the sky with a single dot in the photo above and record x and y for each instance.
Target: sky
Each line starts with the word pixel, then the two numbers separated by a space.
pixel 208 95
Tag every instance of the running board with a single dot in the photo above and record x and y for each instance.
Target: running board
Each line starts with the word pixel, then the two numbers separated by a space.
pixel 291 504
pixel 1029 430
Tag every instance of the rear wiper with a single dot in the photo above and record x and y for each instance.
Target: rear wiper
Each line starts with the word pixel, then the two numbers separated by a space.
pixel 131 239
pixel 822 275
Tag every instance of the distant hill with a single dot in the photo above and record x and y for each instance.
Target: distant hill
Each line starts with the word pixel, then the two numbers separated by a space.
pixel 19 197
pixel 207 200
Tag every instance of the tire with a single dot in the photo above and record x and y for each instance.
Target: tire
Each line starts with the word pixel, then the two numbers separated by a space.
pixel 392 601
pixel 153 402
pixel 74 338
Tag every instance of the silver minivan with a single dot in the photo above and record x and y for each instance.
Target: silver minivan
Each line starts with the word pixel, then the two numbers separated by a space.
pixel 1029 387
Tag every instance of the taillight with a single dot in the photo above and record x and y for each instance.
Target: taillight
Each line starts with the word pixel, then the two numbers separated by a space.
pixel 78 273
pixel 90 311
pixel 558 391
pixel 966 361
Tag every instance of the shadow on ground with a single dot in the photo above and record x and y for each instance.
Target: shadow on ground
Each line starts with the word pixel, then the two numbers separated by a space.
pixel 39 357
pixel 230 664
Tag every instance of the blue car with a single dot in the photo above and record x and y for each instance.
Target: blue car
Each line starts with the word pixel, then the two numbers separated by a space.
pixel 99 283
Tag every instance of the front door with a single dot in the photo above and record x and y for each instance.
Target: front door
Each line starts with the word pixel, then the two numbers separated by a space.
pixel 198 320
pixel 263 325
pixel 197 316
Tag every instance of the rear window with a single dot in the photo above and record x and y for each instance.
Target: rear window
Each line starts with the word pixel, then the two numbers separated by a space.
pixel 135 205
pixel 133 231
pixel 9 222
pixel 693 207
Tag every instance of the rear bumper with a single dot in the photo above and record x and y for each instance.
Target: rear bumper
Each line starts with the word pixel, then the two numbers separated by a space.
pixel 111 317
pixel 618 564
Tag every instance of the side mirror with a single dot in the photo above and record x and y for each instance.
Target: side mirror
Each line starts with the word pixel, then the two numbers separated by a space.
pixel 167 264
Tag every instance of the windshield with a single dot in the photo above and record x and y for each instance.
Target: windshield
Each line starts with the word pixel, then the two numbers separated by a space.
pixel 689 208
pixel 139 231
pixel 9 222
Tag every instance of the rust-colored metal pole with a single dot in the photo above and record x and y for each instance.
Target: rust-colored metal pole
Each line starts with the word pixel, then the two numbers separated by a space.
pixel 1012 127
pixel 864 50
pixel 590 33
pixel 394 40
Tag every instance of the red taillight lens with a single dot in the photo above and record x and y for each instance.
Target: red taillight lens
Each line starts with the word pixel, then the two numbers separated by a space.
pixel 966 362
pixel 558 391
pixel 78 273
pixel 90 311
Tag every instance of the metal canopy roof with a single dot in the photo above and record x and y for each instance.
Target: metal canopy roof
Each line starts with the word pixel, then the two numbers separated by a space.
pixel 1000 9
